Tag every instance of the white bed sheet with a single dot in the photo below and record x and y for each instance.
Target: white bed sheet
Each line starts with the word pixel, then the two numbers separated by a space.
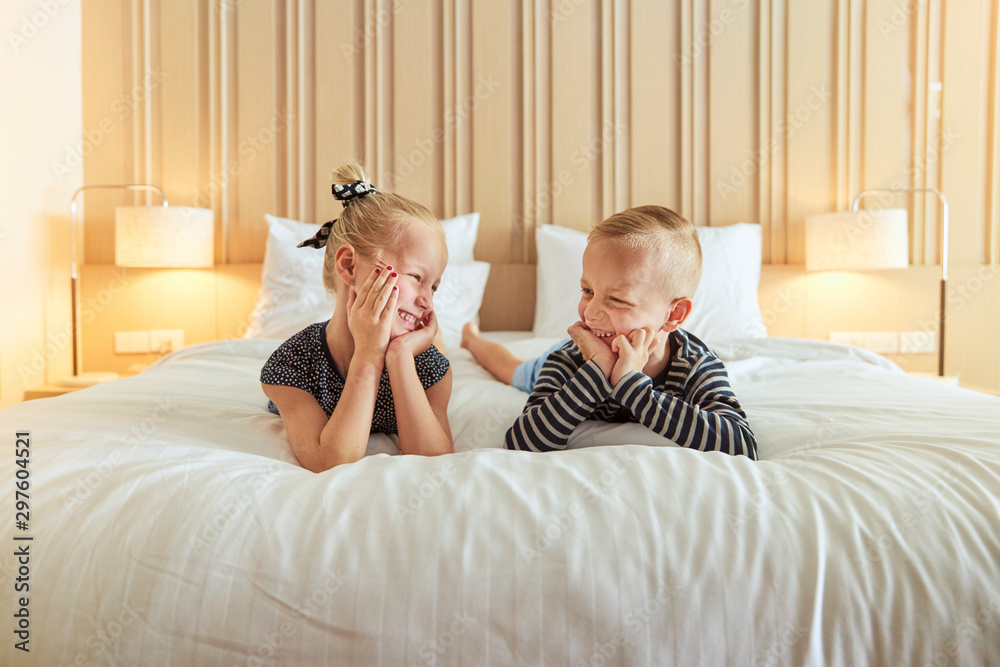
pixel 173 527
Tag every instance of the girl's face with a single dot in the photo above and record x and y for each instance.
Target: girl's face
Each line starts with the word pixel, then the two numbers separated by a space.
pixel 420 260
pixel 617 294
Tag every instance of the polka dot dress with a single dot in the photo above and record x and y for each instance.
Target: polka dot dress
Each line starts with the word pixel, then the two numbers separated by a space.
pixel 304 361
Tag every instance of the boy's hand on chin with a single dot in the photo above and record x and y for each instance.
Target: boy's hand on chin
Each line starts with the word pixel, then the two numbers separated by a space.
pixel 632 353
pixel 592 347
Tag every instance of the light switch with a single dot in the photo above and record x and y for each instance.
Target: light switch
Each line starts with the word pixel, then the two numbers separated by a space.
pixel 162 341
pixel 916 342
pixel 131 342
pixel 855 338
pixel 882 342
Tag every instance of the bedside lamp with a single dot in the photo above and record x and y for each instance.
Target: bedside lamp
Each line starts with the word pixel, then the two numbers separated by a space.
pixel 857 240
pixel 872 239
pixel 145 236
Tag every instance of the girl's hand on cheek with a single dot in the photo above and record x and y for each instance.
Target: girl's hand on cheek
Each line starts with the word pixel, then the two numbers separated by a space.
pixel 370 312
pixel 419 340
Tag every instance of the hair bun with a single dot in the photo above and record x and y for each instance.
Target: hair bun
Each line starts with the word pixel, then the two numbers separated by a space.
pixel 349 173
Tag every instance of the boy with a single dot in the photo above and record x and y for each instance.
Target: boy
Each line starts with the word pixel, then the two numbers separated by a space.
pixel 628 360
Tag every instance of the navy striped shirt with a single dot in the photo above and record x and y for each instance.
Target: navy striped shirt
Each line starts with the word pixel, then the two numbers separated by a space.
pixel 690 402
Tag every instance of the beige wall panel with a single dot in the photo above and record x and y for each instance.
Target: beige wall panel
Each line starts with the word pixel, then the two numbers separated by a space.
pixel 847 78
pixel 208 304
pixel 973 318
pixel 495 103
pixel 809 122
pixel 616 109
pixel 536 123
pixel 887 95
pixel 115 299
pixel 782 299
pixel 259 120
pixel 543 111
pixel 236 291
pixel 458 121
pixel 963 163
pixel 509 298
pixel 992 250
pixel 108 112
pixel 888 103
pixel 418 130
pixel 733 91
pixel 339 96
pixel 654 124
pixel 578 137
pixel 898 300
pixel 180 145
pixel 771 140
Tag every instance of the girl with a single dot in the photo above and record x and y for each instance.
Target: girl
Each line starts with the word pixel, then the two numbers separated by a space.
pixel 372 367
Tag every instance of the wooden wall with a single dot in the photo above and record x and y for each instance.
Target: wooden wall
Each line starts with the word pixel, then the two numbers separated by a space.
pixel 555 111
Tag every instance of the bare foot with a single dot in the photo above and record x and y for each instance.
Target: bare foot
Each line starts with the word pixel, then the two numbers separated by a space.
pixel 470 332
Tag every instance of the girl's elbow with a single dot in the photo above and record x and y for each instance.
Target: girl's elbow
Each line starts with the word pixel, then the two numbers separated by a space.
pixel 314 457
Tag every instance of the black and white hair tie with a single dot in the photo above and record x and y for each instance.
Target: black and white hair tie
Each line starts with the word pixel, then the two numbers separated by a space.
pixel 346 194
pixel 356 190
pixel 320 238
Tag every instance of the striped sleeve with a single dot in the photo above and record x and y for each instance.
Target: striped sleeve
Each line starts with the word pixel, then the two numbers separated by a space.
pixel 708 418
pixel 563 397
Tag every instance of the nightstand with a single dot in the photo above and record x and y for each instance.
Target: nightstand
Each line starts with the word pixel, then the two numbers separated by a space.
pixel 983 390
pixel 48 391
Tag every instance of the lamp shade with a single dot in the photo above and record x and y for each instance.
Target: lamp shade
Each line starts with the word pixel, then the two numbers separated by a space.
pixel 164 236
pixel 857 241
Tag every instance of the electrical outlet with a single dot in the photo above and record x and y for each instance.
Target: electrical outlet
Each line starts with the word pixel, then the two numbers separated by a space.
pixel 917 342
pixel 882 342
pixel 162 341
pixel 131 342
pixel 855 338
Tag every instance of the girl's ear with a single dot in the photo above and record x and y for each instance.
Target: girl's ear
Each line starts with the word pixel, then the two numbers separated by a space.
pixel 346 263
pixel 679 310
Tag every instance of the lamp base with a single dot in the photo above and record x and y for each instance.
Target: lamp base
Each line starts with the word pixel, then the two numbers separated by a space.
pixel 88 379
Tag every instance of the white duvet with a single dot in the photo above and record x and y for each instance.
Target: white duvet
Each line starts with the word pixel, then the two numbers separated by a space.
pixel 172 526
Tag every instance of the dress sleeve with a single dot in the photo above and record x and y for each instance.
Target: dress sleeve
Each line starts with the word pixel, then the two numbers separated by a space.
pixel 564 396
pixel 431 366
pixel 287 366
pixel 707 418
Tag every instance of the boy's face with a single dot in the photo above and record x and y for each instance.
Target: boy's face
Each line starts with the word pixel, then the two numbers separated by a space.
pixel 619 292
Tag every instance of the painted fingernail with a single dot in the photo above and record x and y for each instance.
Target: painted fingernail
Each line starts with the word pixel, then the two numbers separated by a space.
pixel 378 270
pixel 393 275
pixel 394 288
pixel 388 268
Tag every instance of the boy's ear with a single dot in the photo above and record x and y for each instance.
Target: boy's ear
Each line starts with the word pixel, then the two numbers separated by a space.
pixel 679 311
pixel 345 261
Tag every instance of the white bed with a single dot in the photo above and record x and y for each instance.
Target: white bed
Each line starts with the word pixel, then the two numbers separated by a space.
pixel 172 526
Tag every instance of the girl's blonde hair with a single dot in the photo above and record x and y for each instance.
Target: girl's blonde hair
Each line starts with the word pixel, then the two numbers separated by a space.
pixel 371 224
pixel 670 239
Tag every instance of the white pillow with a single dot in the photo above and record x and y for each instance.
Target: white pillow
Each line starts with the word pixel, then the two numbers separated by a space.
pixel 460 236
pixel 292 295
pixel 557 290
pixel 725 304
pixel 458 299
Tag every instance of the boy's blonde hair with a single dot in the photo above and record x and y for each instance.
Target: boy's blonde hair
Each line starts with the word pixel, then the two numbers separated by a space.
pixel 370 224
pixel 670 239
